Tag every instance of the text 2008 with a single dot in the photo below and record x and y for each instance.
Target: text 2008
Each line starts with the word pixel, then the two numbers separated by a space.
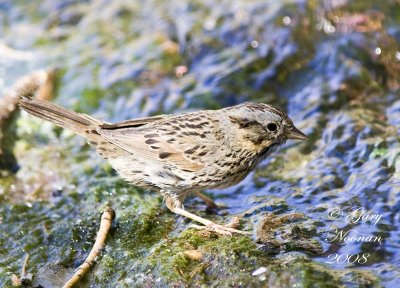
pixel 348 258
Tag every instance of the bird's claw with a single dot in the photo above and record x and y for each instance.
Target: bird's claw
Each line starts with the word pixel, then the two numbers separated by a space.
pixel 220 229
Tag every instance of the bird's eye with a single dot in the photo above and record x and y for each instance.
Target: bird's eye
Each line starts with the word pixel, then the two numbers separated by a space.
pixel 272 127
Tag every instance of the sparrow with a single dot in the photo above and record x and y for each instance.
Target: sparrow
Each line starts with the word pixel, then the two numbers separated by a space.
pixel 183 154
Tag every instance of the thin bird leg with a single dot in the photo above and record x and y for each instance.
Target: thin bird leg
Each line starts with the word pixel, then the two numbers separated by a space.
pixel 173 205
pixel 211 205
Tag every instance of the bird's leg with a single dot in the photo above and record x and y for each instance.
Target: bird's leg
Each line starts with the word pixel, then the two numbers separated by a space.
pixel 175 206
pixel 211 205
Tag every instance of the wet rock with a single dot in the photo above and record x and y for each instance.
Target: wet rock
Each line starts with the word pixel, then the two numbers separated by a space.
pixel 288 232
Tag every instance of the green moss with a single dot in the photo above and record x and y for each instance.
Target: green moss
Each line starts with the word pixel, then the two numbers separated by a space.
pixel 238 253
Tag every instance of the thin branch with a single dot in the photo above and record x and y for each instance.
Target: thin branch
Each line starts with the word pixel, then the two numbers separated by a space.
pixel 39 84
pixel 18 281
pixel 105 225
pixel 23 270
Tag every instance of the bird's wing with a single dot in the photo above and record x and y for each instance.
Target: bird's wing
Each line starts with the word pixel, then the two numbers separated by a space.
pixel 135 122
pixel 174 141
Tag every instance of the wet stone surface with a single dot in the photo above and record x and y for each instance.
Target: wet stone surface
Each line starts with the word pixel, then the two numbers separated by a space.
pixel 324 213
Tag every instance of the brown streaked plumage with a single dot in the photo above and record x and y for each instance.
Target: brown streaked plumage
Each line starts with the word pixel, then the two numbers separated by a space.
pixel 181 154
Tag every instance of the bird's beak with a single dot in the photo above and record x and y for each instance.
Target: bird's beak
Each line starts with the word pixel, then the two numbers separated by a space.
pixel 295 133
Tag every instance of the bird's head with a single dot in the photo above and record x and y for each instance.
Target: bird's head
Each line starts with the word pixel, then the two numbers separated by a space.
pixel 264 124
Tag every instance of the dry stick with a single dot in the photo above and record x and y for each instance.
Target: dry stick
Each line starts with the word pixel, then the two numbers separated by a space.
pixel 39 84
pixel 26 85
pixel 23 270
pixel 105 225
pixel 17 281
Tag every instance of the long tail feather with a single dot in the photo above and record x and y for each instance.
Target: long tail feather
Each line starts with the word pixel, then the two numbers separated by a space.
pixel 80 124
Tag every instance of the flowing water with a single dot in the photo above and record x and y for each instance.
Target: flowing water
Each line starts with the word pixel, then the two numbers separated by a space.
pixel 325 213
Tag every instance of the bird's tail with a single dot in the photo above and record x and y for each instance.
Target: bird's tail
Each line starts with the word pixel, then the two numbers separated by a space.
pixel 78 123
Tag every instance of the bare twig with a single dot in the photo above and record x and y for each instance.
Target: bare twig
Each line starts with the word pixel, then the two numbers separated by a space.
pixel 39 84
pixel 23 270
pixel 105 225
pixel 18 281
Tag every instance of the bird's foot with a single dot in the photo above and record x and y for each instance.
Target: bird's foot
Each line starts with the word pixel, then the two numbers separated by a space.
pixel 220 229
pixel 208 225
